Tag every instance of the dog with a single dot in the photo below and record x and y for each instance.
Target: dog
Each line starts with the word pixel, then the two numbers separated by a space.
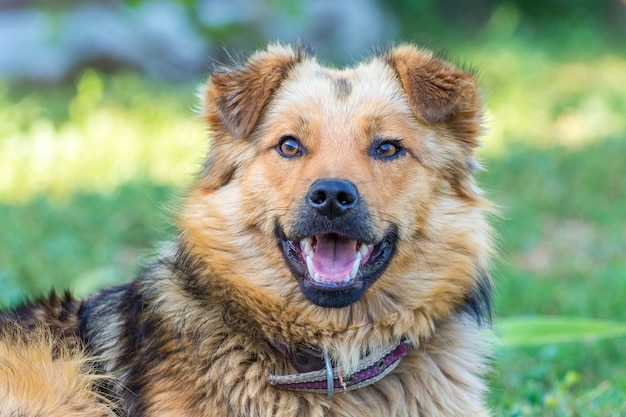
pixel 332 260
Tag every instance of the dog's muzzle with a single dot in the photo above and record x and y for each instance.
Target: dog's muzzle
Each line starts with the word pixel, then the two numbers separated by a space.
pixel 332 248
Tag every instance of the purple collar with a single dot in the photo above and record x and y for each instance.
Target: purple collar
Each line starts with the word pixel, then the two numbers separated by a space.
pixel 319 375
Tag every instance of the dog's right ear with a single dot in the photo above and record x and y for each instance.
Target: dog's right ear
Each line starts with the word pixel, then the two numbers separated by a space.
pixel 235 97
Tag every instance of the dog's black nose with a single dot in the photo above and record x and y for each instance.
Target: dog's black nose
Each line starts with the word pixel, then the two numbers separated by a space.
pixel 332 198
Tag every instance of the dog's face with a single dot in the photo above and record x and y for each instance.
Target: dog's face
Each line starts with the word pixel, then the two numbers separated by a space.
pixel 349 177
pixel 336 150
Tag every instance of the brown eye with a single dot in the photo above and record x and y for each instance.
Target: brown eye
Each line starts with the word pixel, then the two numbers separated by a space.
pixel 289 147
pixel 387 149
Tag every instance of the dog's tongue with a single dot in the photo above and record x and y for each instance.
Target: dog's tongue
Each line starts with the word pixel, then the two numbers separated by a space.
pixel 334 257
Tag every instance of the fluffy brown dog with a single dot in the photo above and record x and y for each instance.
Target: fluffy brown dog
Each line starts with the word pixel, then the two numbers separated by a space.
pixel 332 261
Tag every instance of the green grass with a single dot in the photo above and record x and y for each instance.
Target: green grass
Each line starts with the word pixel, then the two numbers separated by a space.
pixel 563 240
pixel 82 243
pixel 89 177
pixel 97 136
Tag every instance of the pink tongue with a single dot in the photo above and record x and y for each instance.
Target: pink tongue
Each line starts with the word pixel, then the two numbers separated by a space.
pixel 334 257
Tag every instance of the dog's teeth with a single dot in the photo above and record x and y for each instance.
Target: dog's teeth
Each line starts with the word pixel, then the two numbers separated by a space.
pixel 355 266
pixel 305 245
pixel 309 265
pixel 364 251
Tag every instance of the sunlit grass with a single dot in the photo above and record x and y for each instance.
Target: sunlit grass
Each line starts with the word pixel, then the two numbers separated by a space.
pixel 538 101
pixel 108 133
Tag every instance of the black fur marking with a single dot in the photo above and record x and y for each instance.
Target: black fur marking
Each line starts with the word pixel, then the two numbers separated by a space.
pixel 478 303
pixel 225 176
pixel 106 303
pixel 98 305
pixel 57 313
pixel 343 88
pixel 189 277
pixel 139 329
pixel 53 304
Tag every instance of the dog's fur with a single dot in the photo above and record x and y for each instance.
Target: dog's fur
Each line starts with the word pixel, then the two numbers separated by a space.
pixel 198 332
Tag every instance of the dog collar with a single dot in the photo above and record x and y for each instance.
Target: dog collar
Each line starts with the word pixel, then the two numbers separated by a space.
pixel 324 378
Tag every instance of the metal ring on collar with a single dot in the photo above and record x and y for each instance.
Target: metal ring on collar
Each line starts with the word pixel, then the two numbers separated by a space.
pixel 330 383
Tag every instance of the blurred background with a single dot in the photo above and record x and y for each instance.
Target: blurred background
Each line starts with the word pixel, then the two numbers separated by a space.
pixel 99 137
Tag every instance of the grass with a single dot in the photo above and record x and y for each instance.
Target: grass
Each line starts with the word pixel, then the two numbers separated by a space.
pixel 102 134
pixel 89 175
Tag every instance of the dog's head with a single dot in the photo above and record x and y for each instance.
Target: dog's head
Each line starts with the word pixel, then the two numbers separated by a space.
pixel 344 184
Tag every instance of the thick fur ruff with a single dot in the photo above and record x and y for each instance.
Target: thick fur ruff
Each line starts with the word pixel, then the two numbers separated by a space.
pixel 204 325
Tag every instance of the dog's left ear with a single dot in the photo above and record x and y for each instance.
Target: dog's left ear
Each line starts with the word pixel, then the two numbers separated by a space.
pixel 439 92
pixel 235 97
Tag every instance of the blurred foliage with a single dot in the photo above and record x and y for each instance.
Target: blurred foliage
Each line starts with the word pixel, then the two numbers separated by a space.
pixel 59 141
pixel 570 380
pixel 83 242
pixel 556 22
pixel 559 24
pixel 547 330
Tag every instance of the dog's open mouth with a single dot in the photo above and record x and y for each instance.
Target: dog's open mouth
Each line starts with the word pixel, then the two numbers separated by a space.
pixel 329 263
pixel 333 261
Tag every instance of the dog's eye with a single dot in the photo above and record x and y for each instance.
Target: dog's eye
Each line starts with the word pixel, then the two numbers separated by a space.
pixel 387 149
pixel 289 147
